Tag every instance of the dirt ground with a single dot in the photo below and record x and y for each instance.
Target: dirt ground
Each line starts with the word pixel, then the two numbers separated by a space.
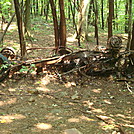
pixel 46 105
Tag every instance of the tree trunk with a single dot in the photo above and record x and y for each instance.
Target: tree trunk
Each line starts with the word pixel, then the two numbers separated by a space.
pixel 132 45
pixel 110 18
pixel 47 10
pixel 20 29
pixel 89 10
pixel 129 24
pixel 96 22
pixel 55 23
pixel 37 7
pixel 62 29
pixel 132 40
pixel 81 19
pixel 27 19
pixel 102 14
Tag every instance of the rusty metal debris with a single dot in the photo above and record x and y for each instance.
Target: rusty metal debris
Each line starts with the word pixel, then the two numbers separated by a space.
pixel 86 62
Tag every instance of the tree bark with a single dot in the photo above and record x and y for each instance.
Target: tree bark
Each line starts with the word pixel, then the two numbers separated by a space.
pixel 27 19
pixel 110 18
pixel 55 23
pixel 132 40
pixel 96 22
pixel 81 19
pixel 62 29
pixel 20 28
pixel 129 24
pixel 1 39
pixel 102 14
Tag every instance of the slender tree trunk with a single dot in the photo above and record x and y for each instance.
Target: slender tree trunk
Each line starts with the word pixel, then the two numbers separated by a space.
pixel 62 28
pixel 37 7
pixel 34 6
pixel 110 18
pixel 132 40
pixel 55 23
pixel 20 28
pixel 116 14
pixel 73 16
pixel 129 24
pixel 81 19
pixel 132 45
pixel 69 11
pixel 89 11
pixel 102 14
pixel 42 7
pixel 47 11
pixel 96 22
pixel 1 39
pixel 27 19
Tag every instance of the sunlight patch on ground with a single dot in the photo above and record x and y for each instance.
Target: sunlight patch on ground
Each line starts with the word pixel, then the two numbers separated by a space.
pixel 43 88
pixel 98 111
pixel 74 120
pixel 11 89
pixel 127 125
pixel 52 117
pixel 107 102
pixel 11 27
pixel 43 126
pixel 10 101
pixel 70 84
pixel 120 115
pixel 11 118
pixel 86 118
pixel 71 39
pixel 97 90
pixel 45 81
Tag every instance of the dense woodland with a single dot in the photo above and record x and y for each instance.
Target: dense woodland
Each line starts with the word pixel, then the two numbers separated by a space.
pixel 49 85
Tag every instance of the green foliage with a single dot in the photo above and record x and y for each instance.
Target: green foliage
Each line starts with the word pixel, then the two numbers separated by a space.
pixel 24 69
pixel 27 69
pixel 5 65
pixel 5 8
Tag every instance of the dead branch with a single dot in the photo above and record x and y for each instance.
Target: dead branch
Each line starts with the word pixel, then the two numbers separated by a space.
pixel 7 28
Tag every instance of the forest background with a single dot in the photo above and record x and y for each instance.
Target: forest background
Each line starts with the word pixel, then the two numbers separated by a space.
pixel 111 17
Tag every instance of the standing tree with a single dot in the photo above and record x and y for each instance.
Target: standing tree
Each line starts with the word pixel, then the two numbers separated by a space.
pixel 102 14
pixel 132 40
pixel 96 22
pixel 129 24
pixel 55 20
pixel 59 30
pixel 110 18
pixel 27 19
pixel 20 29
pixel 132 46
pixel 83 6
pixel 62 28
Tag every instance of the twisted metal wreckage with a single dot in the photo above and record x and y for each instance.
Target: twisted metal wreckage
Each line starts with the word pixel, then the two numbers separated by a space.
pixel 87 62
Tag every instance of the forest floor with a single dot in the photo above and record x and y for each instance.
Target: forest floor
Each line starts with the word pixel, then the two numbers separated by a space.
pixel 45 105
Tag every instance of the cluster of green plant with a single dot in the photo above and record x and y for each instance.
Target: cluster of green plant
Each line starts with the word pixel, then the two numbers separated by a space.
pixel 27 69
pixel 6 8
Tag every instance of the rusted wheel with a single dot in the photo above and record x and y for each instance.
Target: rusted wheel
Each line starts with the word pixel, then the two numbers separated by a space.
pixel 4 67
pixel 8 52
pixel 115 42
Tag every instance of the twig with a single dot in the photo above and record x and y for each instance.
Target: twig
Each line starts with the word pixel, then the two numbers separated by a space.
pixel 128 87
pixel 7 28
